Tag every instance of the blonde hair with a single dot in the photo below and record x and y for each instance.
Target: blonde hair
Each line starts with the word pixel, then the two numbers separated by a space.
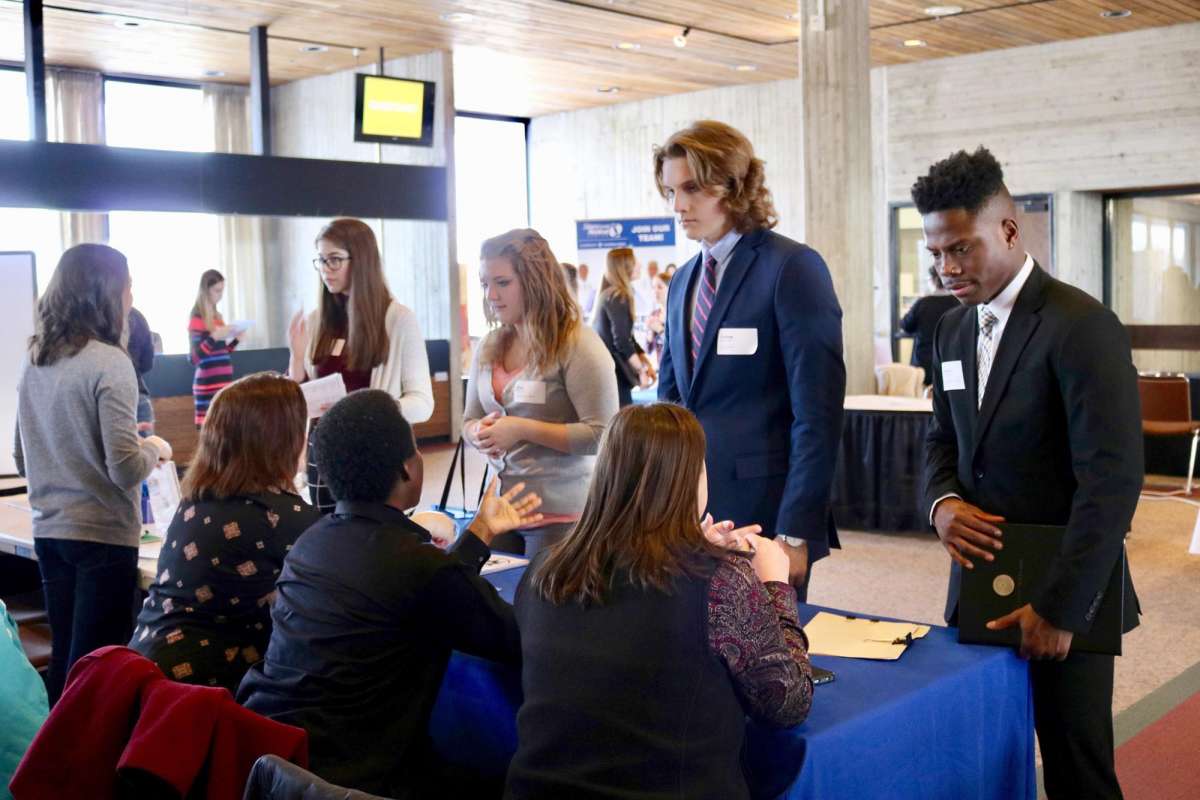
pixel 552 317
pixel 722 162
pixel 204 307
pixel 618 276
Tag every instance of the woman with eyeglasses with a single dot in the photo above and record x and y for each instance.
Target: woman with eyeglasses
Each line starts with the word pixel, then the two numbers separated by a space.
pixel 359 331
pixel 212 343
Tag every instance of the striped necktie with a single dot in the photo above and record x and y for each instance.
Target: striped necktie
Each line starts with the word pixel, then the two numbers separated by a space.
pixel 985 348
pixel 704 304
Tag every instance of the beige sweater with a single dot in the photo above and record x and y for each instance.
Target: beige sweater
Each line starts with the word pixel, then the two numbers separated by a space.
pixel 404 374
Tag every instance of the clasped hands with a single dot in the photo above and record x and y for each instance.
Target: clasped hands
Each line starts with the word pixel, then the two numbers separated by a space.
pixel 496 434
pixel 967 530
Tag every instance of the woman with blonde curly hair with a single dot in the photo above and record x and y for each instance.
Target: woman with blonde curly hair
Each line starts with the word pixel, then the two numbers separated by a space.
pixel 753 345
pixel 542 385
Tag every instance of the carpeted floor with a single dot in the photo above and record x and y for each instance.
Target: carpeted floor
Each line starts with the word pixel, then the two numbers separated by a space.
pixel 904 575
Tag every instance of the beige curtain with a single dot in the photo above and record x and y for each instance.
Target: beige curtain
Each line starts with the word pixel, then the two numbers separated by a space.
pixel 76 115
pixel 243 259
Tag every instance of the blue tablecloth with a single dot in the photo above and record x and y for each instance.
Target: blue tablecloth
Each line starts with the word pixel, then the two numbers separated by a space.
pixel 945 721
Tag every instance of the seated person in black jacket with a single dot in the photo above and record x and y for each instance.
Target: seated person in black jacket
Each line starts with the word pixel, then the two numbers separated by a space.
pixel 367 610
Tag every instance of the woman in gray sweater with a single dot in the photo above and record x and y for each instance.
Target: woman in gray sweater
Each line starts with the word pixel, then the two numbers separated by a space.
pixel 542 386
pixel 77 445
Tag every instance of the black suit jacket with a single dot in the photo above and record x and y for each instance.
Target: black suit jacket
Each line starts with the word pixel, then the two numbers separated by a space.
pixel 1058 440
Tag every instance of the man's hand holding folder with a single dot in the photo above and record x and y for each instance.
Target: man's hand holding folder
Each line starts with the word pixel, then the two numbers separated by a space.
pixel 1039 639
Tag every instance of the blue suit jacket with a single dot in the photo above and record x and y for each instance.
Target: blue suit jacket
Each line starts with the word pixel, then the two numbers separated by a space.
pixel 773 419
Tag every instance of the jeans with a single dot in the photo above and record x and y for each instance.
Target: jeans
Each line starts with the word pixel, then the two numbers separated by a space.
pixel 91 599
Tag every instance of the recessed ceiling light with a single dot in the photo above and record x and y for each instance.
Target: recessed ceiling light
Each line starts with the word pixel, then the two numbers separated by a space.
pixel 313 48
pixel 943 11
pixel 608 89
pixel 627 46
pixel 458 16
pixel 1118 13
pixel 746 67
pixel 681 39
pixel 914 42
pixel 213 73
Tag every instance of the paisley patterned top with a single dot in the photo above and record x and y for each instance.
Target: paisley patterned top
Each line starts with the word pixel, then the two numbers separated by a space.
pixel 208 614
pixel 755 629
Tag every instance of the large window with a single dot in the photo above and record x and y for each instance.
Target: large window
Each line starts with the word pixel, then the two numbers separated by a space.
pixel 492 194
pixel 166 252
pixel 155 116
pixel 1153 268
pixel 14 122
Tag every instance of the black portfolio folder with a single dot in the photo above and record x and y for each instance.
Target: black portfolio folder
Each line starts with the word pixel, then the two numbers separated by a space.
pixel 1017 576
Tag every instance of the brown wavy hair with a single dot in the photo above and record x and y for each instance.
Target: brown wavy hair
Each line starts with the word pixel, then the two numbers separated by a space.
pixel 82 302
pixel 618 276
pixel 723 163
pixel 552 316
pixel 251 440
pixel 641 512
pixel 362 318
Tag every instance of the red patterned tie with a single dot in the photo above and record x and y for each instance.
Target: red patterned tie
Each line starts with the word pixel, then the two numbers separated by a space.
pixel 704 304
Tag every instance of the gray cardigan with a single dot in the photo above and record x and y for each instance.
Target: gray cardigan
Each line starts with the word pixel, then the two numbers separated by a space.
pixel 581 393
pixel 77 445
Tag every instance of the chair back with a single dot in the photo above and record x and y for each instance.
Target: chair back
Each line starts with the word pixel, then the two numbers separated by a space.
pixel 1165 398
pixel 899 380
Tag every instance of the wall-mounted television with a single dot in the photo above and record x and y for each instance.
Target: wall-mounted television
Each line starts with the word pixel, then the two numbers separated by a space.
pixel 393 111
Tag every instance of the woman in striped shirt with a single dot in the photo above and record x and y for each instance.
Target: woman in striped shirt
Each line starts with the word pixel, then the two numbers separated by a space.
pixel 210 350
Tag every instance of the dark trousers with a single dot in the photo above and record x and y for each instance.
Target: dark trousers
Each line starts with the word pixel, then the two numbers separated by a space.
pixel 528 543
pixel 624 388
pixel 1072 711
pixel 91 596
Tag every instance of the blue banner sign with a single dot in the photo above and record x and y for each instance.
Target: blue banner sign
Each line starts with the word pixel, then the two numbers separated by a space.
pixel 605 234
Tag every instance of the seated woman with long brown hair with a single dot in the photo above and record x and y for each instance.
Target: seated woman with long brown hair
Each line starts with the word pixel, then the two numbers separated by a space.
pixel 208 615
pixel 645 643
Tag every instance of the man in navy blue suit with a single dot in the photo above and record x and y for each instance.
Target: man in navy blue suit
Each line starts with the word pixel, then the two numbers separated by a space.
pixel 753 346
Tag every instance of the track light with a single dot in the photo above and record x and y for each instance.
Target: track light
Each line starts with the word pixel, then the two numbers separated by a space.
pixel 681 39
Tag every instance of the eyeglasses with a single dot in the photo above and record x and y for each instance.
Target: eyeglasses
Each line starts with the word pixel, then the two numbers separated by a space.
pixel 331 263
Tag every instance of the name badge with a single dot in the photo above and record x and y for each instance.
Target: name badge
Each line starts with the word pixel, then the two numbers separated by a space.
pixel 338 346
pixel 952 376
pixel 737 341
pixel 530 392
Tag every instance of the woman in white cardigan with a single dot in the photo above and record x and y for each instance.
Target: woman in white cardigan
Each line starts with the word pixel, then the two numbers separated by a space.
pixel 359 331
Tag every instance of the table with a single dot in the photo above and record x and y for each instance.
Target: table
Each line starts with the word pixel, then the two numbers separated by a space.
pixel 878 481
pixel 16 537
pixel 945 721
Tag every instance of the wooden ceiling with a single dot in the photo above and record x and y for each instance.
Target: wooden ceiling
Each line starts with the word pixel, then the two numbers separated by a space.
pixel 532 57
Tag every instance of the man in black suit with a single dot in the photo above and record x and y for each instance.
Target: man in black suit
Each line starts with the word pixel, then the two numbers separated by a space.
pixel 1036 420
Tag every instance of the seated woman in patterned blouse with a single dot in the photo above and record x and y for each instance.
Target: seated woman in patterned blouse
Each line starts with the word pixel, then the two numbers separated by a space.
pixel 645 643
pixel 208 615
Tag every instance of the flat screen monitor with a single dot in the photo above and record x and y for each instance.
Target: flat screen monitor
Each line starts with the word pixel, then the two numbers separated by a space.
pixel 393 111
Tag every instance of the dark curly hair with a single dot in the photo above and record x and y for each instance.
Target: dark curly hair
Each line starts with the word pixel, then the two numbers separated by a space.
pixel 82 302
pixel 964 180
pixel 722 161
pixel 361 446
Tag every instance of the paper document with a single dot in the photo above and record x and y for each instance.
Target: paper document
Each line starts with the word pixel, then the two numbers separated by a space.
pixel 323 392
pixel 859 637
pixel 498 563
pixel 239 326
pixel 163 484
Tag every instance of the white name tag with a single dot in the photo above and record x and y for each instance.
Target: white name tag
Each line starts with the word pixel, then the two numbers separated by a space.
pixel 530 392
pixel 952 376
pixel 338 346
pixel 737 341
